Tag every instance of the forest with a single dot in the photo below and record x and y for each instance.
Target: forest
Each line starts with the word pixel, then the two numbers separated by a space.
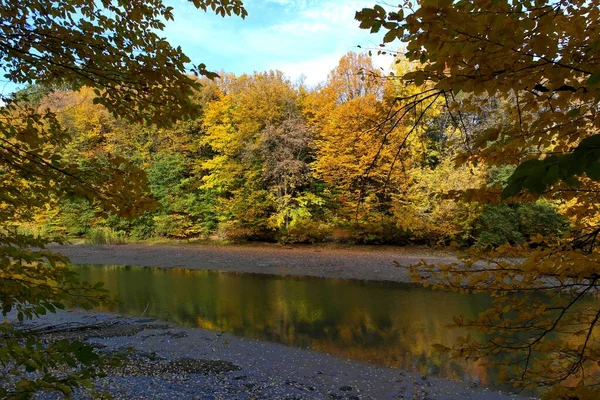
pixel 268 159
pixel 482 137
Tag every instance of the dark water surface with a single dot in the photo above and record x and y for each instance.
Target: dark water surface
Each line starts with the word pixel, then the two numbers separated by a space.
pixel 391 324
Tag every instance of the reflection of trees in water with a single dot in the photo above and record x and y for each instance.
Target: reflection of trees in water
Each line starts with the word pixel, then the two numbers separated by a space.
pixel 390 324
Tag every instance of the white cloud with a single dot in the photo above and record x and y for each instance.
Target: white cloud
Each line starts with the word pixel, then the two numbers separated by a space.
pixel 314 70
pixel 299 37
pixel 306 28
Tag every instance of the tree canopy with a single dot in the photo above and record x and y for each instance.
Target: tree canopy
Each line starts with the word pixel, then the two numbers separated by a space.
pixel 540 62
pixel 114 50
pixel 484 135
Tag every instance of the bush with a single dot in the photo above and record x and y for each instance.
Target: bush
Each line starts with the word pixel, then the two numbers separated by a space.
pixel 138 229
pixel 75 217
pixel 305 230
pixel 497 225
pixel 35 230
pixel 142 228
pixel 514 224
pixel 99 236
pixel 236 232
pixel 541 217
pixel 379 232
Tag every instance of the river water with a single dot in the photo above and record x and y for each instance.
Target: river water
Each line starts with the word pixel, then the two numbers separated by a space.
pixel 390 324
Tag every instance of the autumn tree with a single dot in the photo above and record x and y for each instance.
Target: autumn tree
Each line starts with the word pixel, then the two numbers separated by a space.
pixel 542 59
pixel 261 155
pixel 368 161
pixel 114 49
pixel 355 76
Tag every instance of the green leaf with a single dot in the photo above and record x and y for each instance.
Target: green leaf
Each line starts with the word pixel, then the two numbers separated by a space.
pixel 594 80
pixel 440 348
pixel 40 310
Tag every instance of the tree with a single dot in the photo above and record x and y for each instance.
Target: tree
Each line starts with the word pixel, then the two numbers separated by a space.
pixel 113 49
pixel 368 161
pixel 260 146
pixel 542 58
pixel 354 77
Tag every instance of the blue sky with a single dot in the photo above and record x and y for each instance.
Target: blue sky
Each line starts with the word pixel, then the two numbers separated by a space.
pixel 298 37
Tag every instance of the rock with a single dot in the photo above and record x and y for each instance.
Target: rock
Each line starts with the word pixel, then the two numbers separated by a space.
pixel 178 335
pixel 192 366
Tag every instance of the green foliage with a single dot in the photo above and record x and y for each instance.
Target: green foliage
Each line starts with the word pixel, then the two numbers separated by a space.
pixel 33 282
pixel 541 217
pixel 166 177
pixel 301 219
pixel 142 227
pixel 382 231
pixel 139 228
pixel 75 216
pixel 498 225
pixel 100 236
pixel 500 175
pixel 538 175
pixel 305 230
pixel 108 59
pixel 514 224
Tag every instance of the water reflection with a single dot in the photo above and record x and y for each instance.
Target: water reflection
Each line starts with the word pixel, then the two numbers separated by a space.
pixel 386 323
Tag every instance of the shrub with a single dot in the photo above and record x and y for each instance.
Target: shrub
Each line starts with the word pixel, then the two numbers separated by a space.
pixel 99 236
pixel 142 228
pixel 541 217
pixel 514 224
pixel 383 231
pixel 305 230
pixel 33 229
pixel 138 229
pixel 75 217
pixel 497 225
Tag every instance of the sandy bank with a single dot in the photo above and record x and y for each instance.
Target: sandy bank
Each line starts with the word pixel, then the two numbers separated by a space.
pixel 366 263
pixel 170 362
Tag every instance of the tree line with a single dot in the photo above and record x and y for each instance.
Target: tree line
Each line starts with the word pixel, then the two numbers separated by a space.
pixel 486 135
pixel 269 159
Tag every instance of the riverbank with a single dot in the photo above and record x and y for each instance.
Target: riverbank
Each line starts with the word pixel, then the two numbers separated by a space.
pixel 176 362
pixel 170 362
pixel 324 261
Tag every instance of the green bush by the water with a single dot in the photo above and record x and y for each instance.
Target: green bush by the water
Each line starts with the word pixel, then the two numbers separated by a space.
pixel 515 223
pixel 99 236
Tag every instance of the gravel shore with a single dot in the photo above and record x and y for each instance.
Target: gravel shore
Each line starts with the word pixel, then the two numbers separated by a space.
pixel 347 262
pixel 169 362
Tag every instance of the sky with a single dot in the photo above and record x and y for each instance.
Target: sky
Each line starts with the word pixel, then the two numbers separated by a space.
pixel 299 37
pixel 302 38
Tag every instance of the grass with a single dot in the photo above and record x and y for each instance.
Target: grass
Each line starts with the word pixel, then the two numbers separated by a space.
pixel 99 236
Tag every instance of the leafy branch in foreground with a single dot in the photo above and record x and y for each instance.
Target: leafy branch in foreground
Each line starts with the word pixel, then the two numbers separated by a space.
pixel 114 49
pixel 542 326
pixel 541 62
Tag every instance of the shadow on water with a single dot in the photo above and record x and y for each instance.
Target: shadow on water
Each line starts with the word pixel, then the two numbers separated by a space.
pixel 390 324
